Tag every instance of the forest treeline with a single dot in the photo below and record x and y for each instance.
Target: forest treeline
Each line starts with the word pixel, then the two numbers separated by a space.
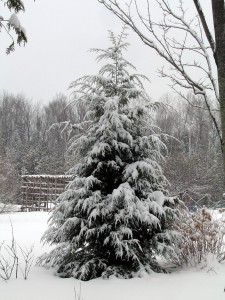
pixel 30 145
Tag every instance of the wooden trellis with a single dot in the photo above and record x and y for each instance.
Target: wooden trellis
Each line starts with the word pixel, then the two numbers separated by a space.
pixel 39 192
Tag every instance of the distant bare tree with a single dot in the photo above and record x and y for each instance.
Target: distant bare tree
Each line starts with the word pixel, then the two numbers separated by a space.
pixel 27 146
pixel 193 161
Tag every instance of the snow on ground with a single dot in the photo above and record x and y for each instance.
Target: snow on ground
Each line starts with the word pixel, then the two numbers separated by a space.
pixel 9 208
pixel 41 284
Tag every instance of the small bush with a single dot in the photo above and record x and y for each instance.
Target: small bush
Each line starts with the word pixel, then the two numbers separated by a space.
pixel 10 262
pixel 202 235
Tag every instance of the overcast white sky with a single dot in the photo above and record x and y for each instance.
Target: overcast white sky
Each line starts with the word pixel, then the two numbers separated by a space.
pixel 59 36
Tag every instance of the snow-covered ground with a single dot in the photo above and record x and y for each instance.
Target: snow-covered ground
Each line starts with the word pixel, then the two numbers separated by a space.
pixel 9 208
pixel 205 284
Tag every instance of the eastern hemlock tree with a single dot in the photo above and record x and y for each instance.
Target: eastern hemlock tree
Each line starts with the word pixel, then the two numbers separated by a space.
pixel 12 23
pixel 113 219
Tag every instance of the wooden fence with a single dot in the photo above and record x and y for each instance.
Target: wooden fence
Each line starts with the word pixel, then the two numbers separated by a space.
pixel 39 192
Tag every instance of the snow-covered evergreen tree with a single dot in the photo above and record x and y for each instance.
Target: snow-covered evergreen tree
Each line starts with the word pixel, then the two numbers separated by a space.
pixel 113 219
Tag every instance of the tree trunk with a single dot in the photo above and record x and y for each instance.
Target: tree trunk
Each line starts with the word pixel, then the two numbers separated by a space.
pixel 218 10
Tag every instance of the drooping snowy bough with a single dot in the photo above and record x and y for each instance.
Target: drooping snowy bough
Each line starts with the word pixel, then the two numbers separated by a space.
pixel 113 219
pixel 12 23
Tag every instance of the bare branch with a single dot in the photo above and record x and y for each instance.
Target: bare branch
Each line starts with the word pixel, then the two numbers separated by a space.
pixel 179 41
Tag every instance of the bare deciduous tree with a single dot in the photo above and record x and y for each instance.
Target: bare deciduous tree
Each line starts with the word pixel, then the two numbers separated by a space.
pixel 187 45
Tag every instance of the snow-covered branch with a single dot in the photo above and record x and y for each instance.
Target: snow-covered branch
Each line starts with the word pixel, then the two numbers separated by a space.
pixel 12 23
pixel 179 40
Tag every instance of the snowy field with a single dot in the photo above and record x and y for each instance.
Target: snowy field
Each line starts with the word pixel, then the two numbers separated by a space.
pixel 205 284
